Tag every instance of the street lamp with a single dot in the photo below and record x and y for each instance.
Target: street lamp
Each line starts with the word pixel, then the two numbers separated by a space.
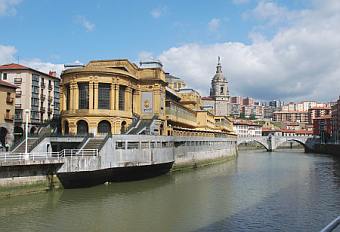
pixel 27 111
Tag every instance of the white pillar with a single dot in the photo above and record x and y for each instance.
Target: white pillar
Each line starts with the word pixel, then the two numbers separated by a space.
pixel 27 111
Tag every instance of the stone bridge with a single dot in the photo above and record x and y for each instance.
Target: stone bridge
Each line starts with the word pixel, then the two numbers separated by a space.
pixel 271 143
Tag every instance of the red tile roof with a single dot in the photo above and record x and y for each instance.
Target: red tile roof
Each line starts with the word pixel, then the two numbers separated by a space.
pixel 12 66
pixel 7 84
pixel 22 67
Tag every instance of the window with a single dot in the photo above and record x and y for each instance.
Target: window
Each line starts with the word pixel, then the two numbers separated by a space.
pixel 104 127
pixel 104 96
pixel 122 97
pixel 67 97
pixel 222 90
pixel 4 76
pixel 83 95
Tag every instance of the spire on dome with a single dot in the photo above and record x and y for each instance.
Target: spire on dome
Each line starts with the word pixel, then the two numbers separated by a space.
pixel 219 66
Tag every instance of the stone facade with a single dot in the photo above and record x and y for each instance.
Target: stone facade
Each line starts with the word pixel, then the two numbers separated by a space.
pixel 130 91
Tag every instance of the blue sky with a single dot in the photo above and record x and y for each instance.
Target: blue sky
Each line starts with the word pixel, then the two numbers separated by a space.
pixel 270 49
pixel 56 30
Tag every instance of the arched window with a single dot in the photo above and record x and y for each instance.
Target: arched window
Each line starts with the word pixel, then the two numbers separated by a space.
pixel 104 127
pixel 123 127
pixel 82 127
pixel 66 128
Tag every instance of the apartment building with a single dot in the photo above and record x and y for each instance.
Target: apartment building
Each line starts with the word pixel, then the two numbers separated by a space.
pixel 246 128
pixel 36 91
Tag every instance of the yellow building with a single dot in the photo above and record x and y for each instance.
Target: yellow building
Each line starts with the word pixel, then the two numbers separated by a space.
pixel 106 96
pixel 117 96
pixel 7 111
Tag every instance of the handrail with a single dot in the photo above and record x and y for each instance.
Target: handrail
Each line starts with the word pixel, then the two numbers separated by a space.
pixel 7 156
pixel 86 138
pixel 17 143
pixel 36 142
pixel 104 141
pixel 332 225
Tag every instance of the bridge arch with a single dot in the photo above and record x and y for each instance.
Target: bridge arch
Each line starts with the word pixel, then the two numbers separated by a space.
pixel 303 143
pixel 242 141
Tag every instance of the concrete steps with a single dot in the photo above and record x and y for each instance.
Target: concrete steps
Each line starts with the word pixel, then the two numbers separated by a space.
pixel 21 147
pixel 94 143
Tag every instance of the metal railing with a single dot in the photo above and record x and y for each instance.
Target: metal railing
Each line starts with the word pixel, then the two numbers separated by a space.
pixel 78 152
pixel 331 226
pixel 8 156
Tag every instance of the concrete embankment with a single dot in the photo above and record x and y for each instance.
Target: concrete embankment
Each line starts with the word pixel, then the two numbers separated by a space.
pixel 24 177
pixel 332 149
pixel 194 157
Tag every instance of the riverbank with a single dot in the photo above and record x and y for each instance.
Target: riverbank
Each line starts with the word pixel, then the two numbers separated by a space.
pixel 331 149
pixel 35 185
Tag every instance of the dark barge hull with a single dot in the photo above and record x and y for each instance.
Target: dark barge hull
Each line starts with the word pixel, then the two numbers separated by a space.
pixel 91 178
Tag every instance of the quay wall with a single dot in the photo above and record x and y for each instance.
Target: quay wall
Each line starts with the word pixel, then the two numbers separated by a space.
pixel 22 177
pixel 17 177
pixel 331 149
pixel 137 150
pixel 203 152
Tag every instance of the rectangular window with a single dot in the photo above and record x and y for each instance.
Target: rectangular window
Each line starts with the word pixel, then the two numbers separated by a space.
pixel 104 91
pixel 68 93
pixel 83 95
pixel 4 76
pixel 122 97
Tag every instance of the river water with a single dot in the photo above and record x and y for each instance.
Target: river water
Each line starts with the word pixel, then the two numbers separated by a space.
pixel 259 191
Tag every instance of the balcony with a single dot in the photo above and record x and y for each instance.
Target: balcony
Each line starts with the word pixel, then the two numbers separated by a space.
pixel 179 114
pixel 42 109
pixel 42 97
pixel 50 98
pixel 50 87
pixel 8 117
pixel 9 100
pixel 42 85
pixel 49 110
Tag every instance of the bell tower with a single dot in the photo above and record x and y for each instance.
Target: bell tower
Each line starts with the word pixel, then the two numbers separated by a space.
pixel 219 84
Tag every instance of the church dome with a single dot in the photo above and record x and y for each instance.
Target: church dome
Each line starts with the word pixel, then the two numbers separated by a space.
pixel 219 77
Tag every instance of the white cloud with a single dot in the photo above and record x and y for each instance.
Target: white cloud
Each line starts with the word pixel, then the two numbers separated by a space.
pixel 270 12
pixel 7 7
pixel 145 55
pixel 7 54
pixel 158 12
pixel 43 66
pixel 84 22
pixel 214 24
pixel 299 62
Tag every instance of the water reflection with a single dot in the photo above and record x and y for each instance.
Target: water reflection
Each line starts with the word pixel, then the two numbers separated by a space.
pixel 260 191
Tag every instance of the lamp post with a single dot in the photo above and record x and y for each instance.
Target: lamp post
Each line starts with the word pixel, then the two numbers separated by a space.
pixel 27 111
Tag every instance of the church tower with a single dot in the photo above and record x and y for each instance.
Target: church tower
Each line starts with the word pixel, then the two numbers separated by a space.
pixel 219 84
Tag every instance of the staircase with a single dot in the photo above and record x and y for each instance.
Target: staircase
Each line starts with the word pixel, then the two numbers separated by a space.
pixel 94 143
pixel 143 126
pixel 21 147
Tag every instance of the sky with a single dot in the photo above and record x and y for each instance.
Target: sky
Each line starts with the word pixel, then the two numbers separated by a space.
pixel 283 50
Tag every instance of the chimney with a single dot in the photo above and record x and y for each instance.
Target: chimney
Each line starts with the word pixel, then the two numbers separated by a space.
pixel 53 73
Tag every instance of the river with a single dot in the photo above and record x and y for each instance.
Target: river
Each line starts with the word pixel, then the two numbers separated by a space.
pixel 284 190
